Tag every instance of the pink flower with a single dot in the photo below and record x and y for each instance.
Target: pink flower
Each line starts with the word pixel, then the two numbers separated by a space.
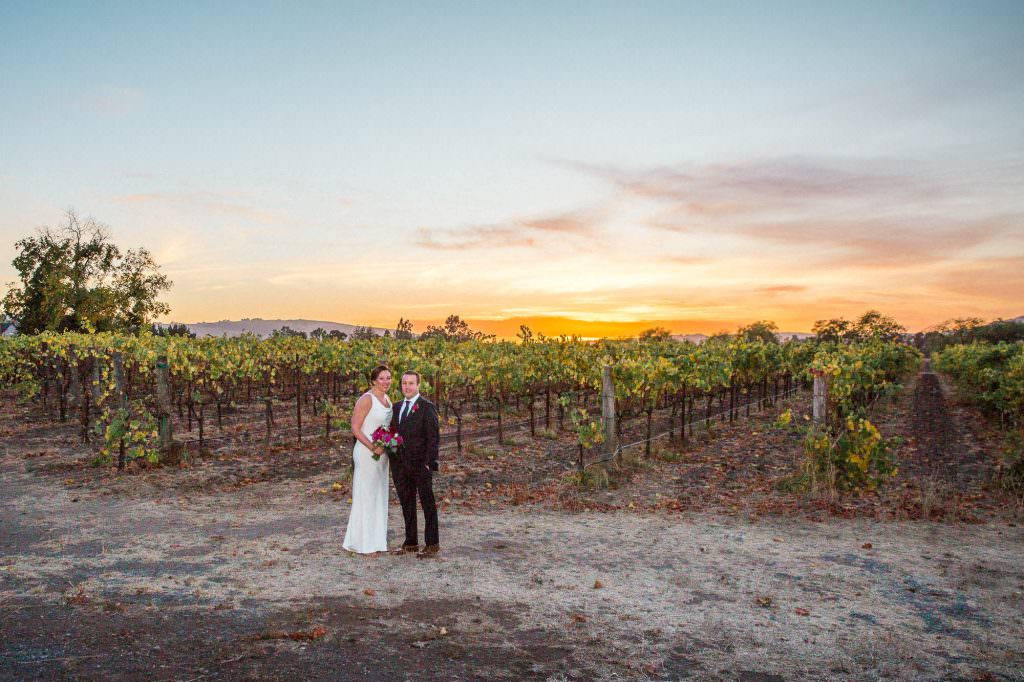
pixel 387 439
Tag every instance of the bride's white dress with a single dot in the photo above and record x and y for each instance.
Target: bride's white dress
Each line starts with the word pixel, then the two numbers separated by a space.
pixel 368 520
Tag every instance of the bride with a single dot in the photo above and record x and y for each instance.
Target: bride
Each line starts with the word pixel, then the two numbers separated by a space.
pixel 368 520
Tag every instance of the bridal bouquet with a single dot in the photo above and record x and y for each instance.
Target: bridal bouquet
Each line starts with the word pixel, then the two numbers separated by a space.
pixel 386 438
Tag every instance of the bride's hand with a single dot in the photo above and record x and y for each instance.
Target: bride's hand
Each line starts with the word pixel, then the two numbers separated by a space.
pixel 379 450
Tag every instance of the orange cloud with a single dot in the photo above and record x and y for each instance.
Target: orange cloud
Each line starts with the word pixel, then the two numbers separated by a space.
pixel 879 242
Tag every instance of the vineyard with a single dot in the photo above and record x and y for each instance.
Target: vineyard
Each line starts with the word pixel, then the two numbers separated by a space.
pixel 718 481
pixel 150 397
pixel 990 375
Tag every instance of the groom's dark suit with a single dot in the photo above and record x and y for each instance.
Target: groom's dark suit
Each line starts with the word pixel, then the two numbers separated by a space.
pixel 413 467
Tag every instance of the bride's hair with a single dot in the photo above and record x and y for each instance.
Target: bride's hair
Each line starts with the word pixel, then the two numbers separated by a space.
pixel 376 372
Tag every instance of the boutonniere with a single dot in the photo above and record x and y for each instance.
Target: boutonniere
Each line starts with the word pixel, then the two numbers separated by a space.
pixel 416 406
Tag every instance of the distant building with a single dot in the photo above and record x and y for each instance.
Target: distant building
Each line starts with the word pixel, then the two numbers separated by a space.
pixel 8 329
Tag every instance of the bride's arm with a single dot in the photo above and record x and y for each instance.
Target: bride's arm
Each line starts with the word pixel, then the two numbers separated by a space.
pixel 359 413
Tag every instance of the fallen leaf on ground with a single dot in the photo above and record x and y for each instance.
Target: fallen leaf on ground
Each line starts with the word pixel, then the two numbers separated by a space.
pixel 598 584
pixel 369 592
pixel 308 635
pixel 299 635
pixel 802 612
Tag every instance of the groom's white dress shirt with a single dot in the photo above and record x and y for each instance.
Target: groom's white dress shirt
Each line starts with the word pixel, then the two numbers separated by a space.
pixel 407 404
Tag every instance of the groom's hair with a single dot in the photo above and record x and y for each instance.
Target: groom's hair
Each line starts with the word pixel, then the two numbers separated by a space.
pixel 412 372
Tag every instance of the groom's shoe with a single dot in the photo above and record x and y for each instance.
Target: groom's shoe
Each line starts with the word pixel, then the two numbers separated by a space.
pixel 406 549
pixel 429 552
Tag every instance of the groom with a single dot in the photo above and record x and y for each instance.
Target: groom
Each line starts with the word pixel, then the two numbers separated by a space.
pixel 415 418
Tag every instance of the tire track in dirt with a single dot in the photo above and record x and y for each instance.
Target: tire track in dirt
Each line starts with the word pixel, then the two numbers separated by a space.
pixel 942 446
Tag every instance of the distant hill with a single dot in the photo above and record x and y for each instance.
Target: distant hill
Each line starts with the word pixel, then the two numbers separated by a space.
pixel 263 328
pixel 692 338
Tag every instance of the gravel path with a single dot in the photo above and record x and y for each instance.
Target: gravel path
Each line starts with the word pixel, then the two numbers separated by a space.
pixel 254 585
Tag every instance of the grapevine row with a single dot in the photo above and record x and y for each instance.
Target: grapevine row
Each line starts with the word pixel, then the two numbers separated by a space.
pixel 991 375
pixel 113 384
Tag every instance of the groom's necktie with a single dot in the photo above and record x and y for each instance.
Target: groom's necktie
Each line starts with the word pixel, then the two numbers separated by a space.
pixel 405 412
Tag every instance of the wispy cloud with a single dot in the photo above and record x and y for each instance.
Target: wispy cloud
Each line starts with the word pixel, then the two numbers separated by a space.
pixel 883 242
pixel 854 212
pixel 307 275
pixel 781 289
pixel 688 260
pixel 476 237
pixel 568 223
pixel 988 279
pixel 525 232
pixel 754 185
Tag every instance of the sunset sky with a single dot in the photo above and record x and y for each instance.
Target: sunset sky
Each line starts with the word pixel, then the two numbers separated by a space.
pixel 584 167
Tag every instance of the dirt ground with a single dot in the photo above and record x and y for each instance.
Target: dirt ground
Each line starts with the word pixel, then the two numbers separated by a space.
pixel 692 566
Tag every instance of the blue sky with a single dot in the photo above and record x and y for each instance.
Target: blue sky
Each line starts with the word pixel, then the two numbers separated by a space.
pixel 696 164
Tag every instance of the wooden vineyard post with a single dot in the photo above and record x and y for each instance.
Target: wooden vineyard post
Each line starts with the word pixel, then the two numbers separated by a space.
pixel 163 406
pixel 533 421
pixel 90 395
pixel 298 402
pixel 63 393
pixel 682 419
pixel 608 410
pixel 499 403
pixel 121 401
pixel 270 418
pixel 732 399
pixel 547 407
pixel 202 420
pixel 820 404
pixel 74 382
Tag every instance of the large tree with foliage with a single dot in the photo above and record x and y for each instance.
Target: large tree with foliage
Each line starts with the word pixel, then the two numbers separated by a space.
pixel 287 331
pixel 875 325
pixel 965 330
pixel 173 329
pixel 870 325
pixel 654 334
pixel 762 330
pixel 404 329
pixel 454 329
pixel 363 334
pixel 73 278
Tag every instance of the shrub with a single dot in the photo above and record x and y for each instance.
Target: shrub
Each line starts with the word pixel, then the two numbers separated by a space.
pixel 857 458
